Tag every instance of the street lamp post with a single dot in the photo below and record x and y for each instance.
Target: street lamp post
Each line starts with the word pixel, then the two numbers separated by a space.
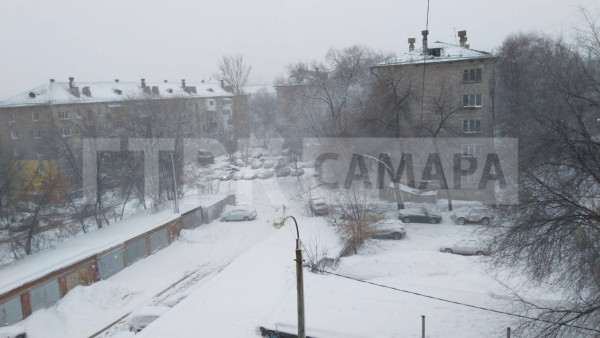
pixel 278 223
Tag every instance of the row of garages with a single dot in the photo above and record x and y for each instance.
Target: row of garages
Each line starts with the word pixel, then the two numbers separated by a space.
pixel 46 291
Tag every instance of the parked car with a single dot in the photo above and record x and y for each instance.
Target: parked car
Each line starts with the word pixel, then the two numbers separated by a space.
pixel 318 206
pixel 283 171
pixel 268 164
pixel 238 176
pixel 297 172
pixel 250 176
pixel 143 317
pixel 418 215
pixel 388 229
pixel 226 176
pixel 473 215
pixel 239 215
pixel 256 164
pixel 466 247
pixel 205 157
pixel 265 173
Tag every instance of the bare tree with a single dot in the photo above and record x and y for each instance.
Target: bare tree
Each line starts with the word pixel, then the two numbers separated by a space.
pixel 327 98
pixel 234 72
pixel 551 90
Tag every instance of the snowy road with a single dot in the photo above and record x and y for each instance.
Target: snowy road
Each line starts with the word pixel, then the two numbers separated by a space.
pixel 205 251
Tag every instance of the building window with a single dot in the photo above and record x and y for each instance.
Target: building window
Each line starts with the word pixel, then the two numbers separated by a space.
pixel 470 150
pixel 63 115
pixel 14 134
pixel 11 117
pixel 78 131
pixel 100 111
pixel 35 117
pixel 472 75
pixel 211 102
pixel 36 134
pixel 472 100
pixel 40 153
pixel 471 126
pixel 16 151
pixel 78 114
pixel 66 132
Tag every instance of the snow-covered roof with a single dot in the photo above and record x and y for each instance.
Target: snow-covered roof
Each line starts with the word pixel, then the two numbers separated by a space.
pixel 448 52
pixel 52 93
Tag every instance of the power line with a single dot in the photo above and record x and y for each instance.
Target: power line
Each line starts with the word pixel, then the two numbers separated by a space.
pixel 458 303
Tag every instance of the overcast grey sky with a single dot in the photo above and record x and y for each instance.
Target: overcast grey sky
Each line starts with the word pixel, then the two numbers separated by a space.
pixel 175 39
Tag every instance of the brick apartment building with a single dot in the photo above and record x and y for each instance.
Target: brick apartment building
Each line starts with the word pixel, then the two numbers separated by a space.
pixel 461 77
pixel 36 124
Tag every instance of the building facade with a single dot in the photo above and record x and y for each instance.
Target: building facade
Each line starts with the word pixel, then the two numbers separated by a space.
pixel 38 125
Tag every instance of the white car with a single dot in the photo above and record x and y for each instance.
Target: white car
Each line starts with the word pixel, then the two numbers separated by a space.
pixel 265 173
pixel 466 247
pixel 143 317
pixel 250 176
pixel 388 229
pixel 239 215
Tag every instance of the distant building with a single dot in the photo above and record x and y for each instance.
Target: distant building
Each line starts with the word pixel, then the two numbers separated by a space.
pixel 461 77
pixel 35 125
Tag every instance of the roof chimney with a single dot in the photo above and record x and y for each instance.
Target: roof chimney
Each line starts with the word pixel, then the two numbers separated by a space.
pixel 116 80
pixel 143 83
pixel 182 83
pixel 425 33
pixel 411 44
pixel 166 81
pixel 71 79
pixel 51 80
pixel 463 38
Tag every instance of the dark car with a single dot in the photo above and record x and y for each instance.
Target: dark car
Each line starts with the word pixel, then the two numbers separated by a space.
pixel 418 215
pixel 283 171
pixel 318 207
pixel 205 157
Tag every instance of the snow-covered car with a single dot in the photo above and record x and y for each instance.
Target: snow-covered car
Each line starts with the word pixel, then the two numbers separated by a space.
pixel 13 331
pixel 143 317
pixel 466 247
pixel 318 206
pixel 256 164
pixel 265 173
pixel 418 215
pixel 205 157
pixel 226 176
pixel 388 229
pixel 239 215
pixel 283 172
pixel 250 175
pixel 238 176
pixel 268 164
pixel 473 215
pixel 297 172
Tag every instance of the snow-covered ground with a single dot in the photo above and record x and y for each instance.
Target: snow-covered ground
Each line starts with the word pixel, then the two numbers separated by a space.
pixel 242 276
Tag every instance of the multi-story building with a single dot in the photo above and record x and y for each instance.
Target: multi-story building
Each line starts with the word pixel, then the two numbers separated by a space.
pixel 36 125
pixel 449 93
pixel 445 85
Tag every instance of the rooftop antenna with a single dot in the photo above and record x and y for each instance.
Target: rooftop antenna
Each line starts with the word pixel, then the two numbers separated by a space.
pixel 455 42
